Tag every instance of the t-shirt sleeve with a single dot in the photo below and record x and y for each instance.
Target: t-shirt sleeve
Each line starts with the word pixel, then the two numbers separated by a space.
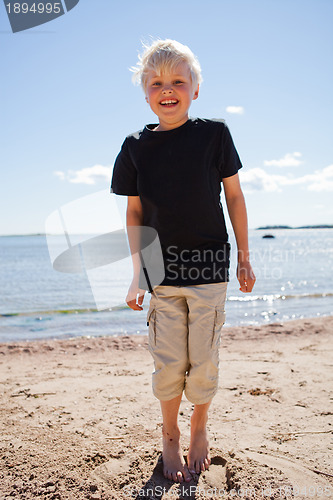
pixel 229 163
pixel 124 177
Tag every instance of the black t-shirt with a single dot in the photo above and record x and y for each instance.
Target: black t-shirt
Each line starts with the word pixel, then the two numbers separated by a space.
pixel 177 174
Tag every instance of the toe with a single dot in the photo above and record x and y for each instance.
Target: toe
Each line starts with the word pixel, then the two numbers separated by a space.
pixel 179 477
pixel 168 475
pixel 174 477
pixel 190 466
pixel 187 475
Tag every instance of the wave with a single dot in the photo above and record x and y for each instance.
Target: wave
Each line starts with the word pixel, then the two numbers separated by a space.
pixel 248 298
pixel 61 311
pixel 272 297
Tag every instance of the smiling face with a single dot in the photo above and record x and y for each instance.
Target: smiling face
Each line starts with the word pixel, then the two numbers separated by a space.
pixel 170 95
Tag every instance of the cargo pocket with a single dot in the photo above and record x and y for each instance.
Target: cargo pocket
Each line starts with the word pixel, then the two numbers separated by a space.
pixel 151 323
pixel 218 323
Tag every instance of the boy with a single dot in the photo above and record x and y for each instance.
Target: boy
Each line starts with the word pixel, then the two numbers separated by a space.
pixel 172 173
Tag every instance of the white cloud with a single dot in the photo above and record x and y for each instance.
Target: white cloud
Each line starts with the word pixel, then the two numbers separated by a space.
pixel 322 180
pixel 289 160
pixel 257 179
pixel 235 110
pixel 88 175
pixel 60 174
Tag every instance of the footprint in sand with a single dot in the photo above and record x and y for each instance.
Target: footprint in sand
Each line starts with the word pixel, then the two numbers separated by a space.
pixel 306 483
pixel 215 477
pixel 112 468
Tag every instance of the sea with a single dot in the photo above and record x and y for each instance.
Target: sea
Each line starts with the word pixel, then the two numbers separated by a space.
pixel 293 271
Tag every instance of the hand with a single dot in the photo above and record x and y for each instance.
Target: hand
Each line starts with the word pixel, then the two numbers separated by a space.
pixel 245 276
pixel 135 295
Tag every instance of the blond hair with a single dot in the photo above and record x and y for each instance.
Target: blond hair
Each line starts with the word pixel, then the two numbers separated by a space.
pixel 162 56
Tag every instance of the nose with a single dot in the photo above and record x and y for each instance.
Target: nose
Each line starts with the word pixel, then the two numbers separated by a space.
pixel 167 89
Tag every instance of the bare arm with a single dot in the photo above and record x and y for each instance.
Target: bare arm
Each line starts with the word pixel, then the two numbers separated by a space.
pixel 134 217
pixel 238 216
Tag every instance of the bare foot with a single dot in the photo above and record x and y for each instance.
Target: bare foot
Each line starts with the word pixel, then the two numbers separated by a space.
pixel 174 466
pixel 198 457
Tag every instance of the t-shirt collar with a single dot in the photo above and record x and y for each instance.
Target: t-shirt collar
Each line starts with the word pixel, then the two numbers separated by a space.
pixel 149 129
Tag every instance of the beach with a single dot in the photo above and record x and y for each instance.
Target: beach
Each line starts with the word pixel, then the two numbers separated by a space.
pixel 79 420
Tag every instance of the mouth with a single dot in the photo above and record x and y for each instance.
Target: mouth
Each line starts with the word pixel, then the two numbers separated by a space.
pixel 169 102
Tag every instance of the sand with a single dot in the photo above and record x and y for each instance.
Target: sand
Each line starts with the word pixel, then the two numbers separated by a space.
pixel 79 421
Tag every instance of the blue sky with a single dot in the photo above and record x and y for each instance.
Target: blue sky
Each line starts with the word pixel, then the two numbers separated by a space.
pixel 67 101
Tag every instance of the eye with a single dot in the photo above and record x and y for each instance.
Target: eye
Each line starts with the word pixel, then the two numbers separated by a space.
pixel 178 82
pixel 156 84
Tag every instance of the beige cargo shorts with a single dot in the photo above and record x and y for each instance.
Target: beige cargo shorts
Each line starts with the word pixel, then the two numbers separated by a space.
pixel 184 337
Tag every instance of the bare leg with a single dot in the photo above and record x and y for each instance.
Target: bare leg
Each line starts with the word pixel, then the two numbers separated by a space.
pixel 198 455
pixel 174 466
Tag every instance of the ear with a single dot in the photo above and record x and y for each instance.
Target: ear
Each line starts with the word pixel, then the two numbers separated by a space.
pixel 146 98
pixel 196 93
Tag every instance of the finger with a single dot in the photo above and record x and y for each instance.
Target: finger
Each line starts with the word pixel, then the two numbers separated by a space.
pixel 140 299
pixel 133 305
pixel 247 285
pixel 241 280
pixel 243 285
pixel 250 282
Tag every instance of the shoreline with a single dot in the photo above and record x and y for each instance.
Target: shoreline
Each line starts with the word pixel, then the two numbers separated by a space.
pixel 79 419
pixel 68 337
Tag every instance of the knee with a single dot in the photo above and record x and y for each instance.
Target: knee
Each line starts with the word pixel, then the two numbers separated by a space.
pixel 168 380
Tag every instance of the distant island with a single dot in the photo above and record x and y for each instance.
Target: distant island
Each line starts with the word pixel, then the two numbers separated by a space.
pixel 16 235
pixel 319 226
